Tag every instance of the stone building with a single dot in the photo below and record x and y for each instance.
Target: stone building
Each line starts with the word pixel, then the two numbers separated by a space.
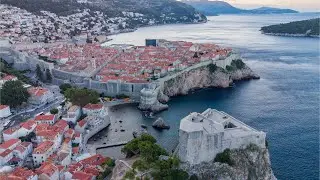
pixel 203 135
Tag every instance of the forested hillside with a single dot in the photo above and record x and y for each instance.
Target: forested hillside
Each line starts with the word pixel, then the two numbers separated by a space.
pixel 305 27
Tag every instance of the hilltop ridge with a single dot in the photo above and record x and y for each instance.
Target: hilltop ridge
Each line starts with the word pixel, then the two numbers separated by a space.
pixel 210 8
pixel 108 16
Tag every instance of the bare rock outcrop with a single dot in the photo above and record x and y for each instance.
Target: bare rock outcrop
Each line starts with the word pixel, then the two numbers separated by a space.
pixel 204 77
pixel 250 163
pixel 160 124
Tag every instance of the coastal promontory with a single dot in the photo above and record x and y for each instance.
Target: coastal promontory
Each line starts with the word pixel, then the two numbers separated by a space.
pixel 305 28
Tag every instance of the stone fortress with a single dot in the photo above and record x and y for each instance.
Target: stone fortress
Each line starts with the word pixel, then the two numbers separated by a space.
pixel 203 135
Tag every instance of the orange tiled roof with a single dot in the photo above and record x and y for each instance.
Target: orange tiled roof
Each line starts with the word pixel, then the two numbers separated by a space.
pixel 82 123
pixel 9 143
pixel 5 153
pixel 45 117
pixel 43 147
pixel 48 169
pixel 3 106
pixel 37 91
pixel 93 106
pixel 28 125
pixel 9 77
pixel 21 173
pixel 81 176
pixel 11 130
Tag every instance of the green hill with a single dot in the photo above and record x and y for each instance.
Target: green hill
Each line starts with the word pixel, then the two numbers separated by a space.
pixel 297 28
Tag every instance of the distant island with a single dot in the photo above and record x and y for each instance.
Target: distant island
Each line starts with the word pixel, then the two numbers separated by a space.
pixel 305 28
pixel 211 8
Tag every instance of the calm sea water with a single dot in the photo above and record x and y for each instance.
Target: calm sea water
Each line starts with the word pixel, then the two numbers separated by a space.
pixel 284 102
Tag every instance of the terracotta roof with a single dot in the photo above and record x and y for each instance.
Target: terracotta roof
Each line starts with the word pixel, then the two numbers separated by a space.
pixel 81 176
pixel 5 153
pixel 9 143
pixel 37 91
pixel 82 123
pixel 21 173
pixel 48 134
pixel 94 160
pixel 11 130
pixel 28 125
pixel 48 169
pixel 26 144
pixel 3 106
pixel 43 147
pixel 76 134
pixel 42 127
pixel 92 170
pixel 93 106
pixel 9 77
pixel 20 148
pixel 45 117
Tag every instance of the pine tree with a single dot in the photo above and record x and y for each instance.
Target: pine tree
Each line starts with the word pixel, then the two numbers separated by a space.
pixel 48 74
pixel 39 72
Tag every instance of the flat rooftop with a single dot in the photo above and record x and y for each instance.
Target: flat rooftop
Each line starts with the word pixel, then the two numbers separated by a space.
pixel 212 120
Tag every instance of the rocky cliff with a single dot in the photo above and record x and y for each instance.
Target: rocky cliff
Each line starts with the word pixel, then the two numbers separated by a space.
pixel 209 76
pixel 249 163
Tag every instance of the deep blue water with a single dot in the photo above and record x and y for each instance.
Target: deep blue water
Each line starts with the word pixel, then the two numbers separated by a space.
pixel 284 102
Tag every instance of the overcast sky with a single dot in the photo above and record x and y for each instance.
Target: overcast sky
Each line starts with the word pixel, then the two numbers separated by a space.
pixel 302 5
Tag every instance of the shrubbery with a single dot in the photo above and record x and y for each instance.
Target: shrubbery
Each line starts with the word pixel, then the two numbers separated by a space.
pixel 235 64
pixel 13 93
pixel 213 68
pixel 81 97
pixel 224 157
pixel 150 153
pixel 54 111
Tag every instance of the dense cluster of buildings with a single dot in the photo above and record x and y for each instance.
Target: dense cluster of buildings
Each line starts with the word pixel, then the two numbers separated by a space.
pixel 21 26
pixel 132 64
pixel 54 147
pixel 38 95
pixel 76 58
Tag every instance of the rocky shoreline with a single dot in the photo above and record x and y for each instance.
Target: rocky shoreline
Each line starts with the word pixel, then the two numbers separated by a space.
pixel 291 35
pixel 206 77
pixel 251 162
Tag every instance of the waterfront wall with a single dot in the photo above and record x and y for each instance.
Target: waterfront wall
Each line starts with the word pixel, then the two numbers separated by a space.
pixel 96 129
pixel 111 88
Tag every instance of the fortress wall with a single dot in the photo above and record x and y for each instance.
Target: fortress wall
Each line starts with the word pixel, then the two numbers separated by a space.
pixel 114 88
pixel 22 61
pixel 227 61
pixel 73 78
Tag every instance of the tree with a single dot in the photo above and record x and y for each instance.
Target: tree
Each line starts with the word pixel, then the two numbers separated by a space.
pixel 54 111
pixel 28 137
pixel 49 76
pixel 39 72
pixel 13 93
pixel 81 97
pixel 64 87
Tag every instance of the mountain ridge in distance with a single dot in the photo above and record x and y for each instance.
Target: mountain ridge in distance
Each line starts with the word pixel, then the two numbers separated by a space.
pixel 211 8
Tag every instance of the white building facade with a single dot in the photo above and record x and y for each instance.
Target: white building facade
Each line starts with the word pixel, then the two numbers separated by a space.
pixel 203 135
pixel 4 111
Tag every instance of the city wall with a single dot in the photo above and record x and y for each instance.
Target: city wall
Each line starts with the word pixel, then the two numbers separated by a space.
pixel 220 63
pixel 111 88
